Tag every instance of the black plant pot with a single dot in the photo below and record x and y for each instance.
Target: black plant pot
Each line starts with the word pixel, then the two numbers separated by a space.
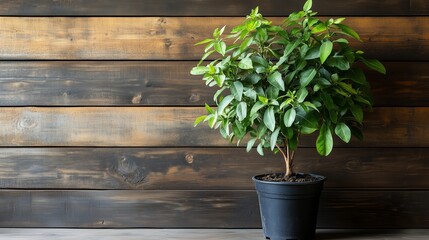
pixel 289 210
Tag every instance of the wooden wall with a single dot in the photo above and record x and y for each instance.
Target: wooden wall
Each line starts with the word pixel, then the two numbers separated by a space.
pixel 97 107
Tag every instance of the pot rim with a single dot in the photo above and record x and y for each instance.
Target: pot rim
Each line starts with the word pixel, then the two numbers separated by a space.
pixel 320 179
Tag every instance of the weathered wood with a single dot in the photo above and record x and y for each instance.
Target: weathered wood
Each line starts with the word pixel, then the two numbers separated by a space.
pixel 119 168
pixel 173 126
pixel 419 6
pixel 69 83
pixel 83 83
pixel 198 234
pixel 212 168
pixel 202 8
pixel 173 38
pixel 405 84
pixel 207 209
pixel 374 209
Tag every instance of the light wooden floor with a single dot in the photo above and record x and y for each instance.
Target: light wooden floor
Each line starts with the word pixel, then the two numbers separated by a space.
pixel 201 234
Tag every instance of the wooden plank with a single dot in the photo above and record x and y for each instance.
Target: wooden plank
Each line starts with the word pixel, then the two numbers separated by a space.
pixel 197 234
pixel 197 169
pixel 106 83
pixel 202 209
pixel 419 6
pixel 405 84
pixel 70 83
pixel 173 38
pixel 173 127
pixel 200 8
pixel 374 209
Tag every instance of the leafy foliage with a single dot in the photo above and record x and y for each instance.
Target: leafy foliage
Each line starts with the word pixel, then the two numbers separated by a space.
pixel 286 80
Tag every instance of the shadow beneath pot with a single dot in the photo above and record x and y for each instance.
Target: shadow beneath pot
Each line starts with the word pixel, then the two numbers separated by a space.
pixel 361 234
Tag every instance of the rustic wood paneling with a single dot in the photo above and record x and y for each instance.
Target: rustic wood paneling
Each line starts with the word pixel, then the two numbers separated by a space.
pixel 204 8
pixel 208 168
pixel 173 126
pixel 83 83
pixel 68 83
pixel 419 6
pixel 172 38
pixel 206 209
pixel 374 209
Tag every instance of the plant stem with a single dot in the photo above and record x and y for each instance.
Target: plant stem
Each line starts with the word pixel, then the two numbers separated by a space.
pixel 287 158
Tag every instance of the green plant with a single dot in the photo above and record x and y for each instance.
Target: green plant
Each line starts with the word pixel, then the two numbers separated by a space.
pixel 278 82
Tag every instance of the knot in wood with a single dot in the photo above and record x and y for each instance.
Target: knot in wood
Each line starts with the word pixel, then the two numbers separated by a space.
pixel 137 99
pixel 189 158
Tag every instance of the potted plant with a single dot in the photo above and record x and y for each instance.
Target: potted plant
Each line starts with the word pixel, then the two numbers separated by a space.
pixel 280 82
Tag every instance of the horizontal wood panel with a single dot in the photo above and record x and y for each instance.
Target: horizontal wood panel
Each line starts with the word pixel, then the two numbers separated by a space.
pixel 70 83
pixel 212 168
pixel 173 38
pixel 173 126
pixel 206 209
pixel 205 8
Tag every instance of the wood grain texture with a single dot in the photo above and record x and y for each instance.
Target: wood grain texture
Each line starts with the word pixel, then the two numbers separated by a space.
pixel 70 83
pixel 173 38
pixel 202 209
pixel 202 8
pixel 419 6
pixel 143 83
pixel 198 234
pixel 173 126
pixel 208 169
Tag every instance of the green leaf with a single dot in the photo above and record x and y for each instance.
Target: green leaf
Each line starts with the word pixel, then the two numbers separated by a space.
pixel 263 99
pixel 289 117
pixel 219 79
pixel 206 55
pixel 339 62
pixel 324 142
pixel 343 132
pixel 250 93
pixel 204 41
pixel 347 87
pixel 224 103
pixel 290 47
pixel 325 50
pixel 320 27
pixel 245 63
pixel 260 150
pixel 357 112
pixel 212 119
pixel 245 44
pixel 275 79
pixel 209 109
pixel 269 119
pixel 199 120
pixel 200 70
pixel 273 139
pixel 357 76
pixel 307 76
pixel 250 144
pixel 241 111
pixel 237 90
pixel 301 95
pixel 349 31
pixel 220 47
pixel 313 53
pixel 307 6
pixel 258 105
pixel 374 65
